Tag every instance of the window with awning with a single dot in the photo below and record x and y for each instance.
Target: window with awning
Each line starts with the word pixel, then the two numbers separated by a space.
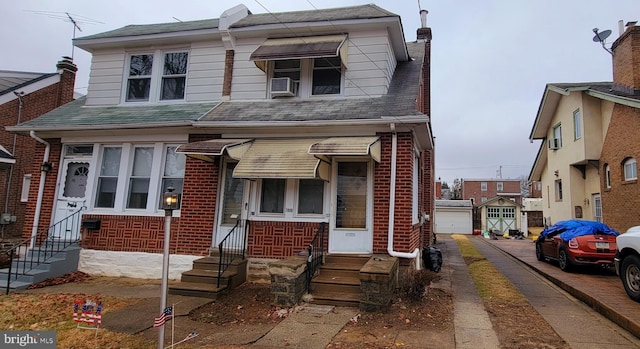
pixel 300 48
pixel 348 146
pixel 206 150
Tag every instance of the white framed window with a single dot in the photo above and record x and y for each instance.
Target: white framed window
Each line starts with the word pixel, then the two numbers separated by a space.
pixel 483 186
pixel 557 137
pixel 558 187
pixel 310 77
pixel 577 125
pixel 607 176
pixel 289 198
pixel 132 177
pixel 26 185
pixel 156 76
pixel 630 169
pixel 500 186
pixel 483 199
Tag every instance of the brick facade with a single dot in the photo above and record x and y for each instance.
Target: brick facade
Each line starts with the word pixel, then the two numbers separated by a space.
pixel 626 61
pixel 472 189
pixel 621 202
pixel 34 104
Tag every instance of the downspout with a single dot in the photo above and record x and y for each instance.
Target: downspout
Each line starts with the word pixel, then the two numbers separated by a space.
pixel 392 203
pixel 43 176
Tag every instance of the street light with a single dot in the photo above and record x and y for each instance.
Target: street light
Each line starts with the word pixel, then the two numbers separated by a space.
pixel 169 203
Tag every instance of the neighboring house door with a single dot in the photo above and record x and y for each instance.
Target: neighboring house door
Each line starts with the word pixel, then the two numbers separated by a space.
pixel 501 218
pixel 350 220
pixel 71 198
pixel 233 204
pixel 597 207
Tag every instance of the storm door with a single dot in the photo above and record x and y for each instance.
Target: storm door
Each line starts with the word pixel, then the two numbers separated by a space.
pixel 71 198
pixel 233 203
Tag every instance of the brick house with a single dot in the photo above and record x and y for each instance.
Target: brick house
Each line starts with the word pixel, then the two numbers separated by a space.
pixel 23 97
pixel 481 190
pixel 587 160
pixel 274 124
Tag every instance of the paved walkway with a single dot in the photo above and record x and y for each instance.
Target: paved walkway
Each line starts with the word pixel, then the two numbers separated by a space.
pixel 574 322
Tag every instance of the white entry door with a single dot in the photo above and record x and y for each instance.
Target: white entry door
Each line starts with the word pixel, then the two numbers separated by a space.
pixel 71 198
pixel 233 204
pixel 351 225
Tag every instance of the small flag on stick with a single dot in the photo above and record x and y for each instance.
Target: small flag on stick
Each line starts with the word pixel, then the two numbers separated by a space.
pixel 166 315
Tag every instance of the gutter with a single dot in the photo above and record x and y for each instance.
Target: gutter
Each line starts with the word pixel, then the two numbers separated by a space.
pixel 392 203
pixel 43 176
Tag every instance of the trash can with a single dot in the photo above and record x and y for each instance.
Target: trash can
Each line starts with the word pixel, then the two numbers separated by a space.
pixel 432 258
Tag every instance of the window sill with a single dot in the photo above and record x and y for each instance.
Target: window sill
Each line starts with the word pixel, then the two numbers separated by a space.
pixel 631 181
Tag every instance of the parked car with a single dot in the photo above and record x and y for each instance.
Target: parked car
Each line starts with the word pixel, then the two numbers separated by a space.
pixel 627 261
pixel 577 242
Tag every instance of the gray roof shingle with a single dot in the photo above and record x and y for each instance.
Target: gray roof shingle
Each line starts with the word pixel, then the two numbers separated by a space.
pixel 149 29
pixel 322 15
pixel 605 87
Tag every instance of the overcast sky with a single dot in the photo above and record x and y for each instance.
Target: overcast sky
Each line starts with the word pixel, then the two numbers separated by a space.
pixel 491 59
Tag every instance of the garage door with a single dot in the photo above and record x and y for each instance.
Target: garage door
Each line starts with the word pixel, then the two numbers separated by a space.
pixel 449 222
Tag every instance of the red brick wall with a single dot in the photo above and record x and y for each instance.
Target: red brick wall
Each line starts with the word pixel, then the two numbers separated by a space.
pixel 34 104
pixel 626 60
pixel 621 203
pixel 471 189
pixel 279 239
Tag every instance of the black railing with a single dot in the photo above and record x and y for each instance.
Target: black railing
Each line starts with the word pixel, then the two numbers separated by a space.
pixel 231 247
pixel 315 254
pixel 49 242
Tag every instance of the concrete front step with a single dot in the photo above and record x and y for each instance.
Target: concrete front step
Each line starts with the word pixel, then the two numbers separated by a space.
pixel 197 289
pixel 336 299
pixel 338 281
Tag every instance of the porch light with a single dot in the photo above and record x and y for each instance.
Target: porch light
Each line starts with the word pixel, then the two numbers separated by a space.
pixel 46 167
pixel 170 200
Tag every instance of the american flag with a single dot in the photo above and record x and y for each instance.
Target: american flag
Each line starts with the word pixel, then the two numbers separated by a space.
pixel 166 315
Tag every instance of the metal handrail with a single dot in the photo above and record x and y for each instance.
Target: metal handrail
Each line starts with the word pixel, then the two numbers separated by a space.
pixel 51 241
pixel 231 247
pixel 315 255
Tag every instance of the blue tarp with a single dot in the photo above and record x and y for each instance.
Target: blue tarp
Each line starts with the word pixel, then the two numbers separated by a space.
pixel 572 228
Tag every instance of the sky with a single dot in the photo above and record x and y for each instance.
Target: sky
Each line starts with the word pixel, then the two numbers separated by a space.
pixel 491 59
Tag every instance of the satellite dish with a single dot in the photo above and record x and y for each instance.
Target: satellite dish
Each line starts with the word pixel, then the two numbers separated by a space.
pixel 602 36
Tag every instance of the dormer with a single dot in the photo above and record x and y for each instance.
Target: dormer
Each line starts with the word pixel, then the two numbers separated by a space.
pixel 303 66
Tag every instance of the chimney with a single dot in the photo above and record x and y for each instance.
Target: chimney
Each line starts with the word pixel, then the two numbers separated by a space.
pixel 424 32
pixel 626 60
pixel 67 71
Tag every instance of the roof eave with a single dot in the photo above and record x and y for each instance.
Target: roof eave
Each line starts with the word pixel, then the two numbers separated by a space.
pixel 119 41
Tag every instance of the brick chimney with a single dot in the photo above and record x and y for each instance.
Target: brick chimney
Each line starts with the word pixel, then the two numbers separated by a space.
pixel 626 60
pixel 67 71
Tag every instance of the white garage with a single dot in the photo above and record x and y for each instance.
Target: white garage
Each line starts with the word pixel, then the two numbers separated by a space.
pixel 454 217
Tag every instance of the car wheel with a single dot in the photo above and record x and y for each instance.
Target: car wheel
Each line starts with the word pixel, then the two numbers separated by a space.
pixel 539 254
pixel 563 260
pixel 630 275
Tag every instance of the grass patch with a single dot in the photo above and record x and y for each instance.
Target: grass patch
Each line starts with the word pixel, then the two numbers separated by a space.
pixel 488 280
pixel 54 312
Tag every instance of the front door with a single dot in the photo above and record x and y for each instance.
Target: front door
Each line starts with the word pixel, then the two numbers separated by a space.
pixel 597 208
pixel 71 198
pixel 350 221
pixel 233 203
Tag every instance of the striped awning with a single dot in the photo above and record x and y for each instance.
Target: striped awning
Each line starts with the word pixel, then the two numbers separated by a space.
pixel 348 146
pixel 300 48
pixel 282 158
pixel 206 150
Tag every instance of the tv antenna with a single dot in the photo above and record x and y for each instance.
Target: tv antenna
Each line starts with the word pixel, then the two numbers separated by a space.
pixel 74 19
pixel 601 37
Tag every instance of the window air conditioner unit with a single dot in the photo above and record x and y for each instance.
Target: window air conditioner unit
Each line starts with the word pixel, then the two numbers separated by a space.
pixel 554 143
pixel 283 87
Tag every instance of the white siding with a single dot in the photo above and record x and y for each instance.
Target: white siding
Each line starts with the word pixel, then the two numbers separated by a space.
pixel 370 64
pixel 105 78
pixel 206 72
pixel 249 82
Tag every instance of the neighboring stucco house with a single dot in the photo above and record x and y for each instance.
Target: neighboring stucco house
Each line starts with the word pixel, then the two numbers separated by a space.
pixel 23 97
pixel 268 123
pixel 587 161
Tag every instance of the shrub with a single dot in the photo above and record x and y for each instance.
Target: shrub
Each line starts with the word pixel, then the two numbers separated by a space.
pixel 415 282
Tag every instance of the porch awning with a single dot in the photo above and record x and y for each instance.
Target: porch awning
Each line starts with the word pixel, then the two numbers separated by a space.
pixel 353 146
pixel 206 150
pixel 282 158
pixel 6 159
pixel 301 47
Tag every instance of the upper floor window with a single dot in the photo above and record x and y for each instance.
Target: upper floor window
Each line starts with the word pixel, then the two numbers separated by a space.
pixel 556 140
pixel 306 77
pixel 327 76
pixel 157 76
pixel 483 186
pixel 500 186
pixel 607 176
pixel 630 169
pixel 577 125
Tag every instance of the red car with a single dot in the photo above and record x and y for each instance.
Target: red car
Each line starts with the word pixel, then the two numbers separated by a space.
pixel 577 243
